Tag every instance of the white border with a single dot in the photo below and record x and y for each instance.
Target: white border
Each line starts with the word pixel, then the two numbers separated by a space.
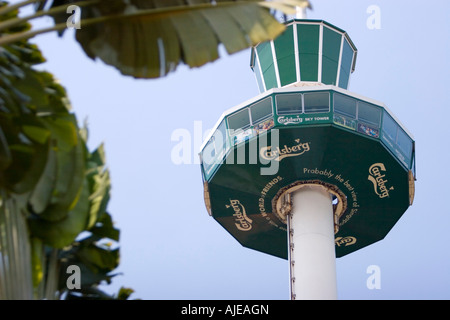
pixel 341 52
pixel 296 52
pixel 260 72
pixel 275 63
pixel 320 53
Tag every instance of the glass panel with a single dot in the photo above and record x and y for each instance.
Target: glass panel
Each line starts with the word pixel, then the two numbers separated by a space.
pixel 268 69
pixel 285 53
pixel 220 138
pixel 346 65
pixel 389 127
pixel 261 110
pixel 317 102
pixel 289 103
pixel 345 105
pixel 239 120
pixel 404 142
pixel 369 113
pixel 209 155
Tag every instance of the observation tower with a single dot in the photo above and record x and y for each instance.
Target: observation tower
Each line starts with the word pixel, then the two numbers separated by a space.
pixel 307 170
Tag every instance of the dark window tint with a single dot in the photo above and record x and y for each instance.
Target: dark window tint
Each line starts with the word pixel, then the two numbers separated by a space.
pixel 369 113
pixel 345 105
pixel 289 103
pixel 261 110
pixel 239 120
pixel 316 102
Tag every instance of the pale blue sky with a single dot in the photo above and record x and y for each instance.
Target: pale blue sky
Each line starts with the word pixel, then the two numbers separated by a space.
pixel 172 249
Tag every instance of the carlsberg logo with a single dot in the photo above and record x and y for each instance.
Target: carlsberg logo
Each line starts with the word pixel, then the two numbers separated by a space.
pixel 379 180
pixel 289 120
pixel 242 222
pixel 278 154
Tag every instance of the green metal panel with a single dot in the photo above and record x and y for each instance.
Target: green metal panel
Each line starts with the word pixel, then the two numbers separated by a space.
pixel 330 55
pixel 285 53
pixel 346 65
pixel 308 45
pixel 268 69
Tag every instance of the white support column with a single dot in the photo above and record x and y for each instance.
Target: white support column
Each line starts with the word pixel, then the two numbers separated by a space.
pixel 312 255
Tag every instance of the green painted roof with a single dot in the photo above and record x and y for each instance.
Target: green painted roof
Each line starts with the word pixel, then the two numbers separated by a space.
pixel 309 51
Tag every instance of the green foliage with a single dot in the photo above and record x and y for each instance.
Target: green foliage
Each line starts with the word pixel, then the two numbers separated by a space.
pixel 47 174
pixel 170 33
pixel 47 170
pixel 156 36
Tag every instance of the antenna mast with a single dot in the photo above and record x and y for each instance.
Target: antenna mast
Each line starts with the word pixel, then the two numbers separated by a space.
pixel 301 13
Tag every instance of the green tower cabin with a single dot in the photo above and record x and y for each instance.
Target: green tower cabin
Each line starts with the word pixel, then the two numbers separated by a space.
pixel 307 170
pixel 308 53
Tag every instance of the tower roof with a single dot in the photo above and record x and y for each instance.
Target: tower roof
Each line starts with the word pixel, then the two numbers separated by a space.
pixel 308 52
